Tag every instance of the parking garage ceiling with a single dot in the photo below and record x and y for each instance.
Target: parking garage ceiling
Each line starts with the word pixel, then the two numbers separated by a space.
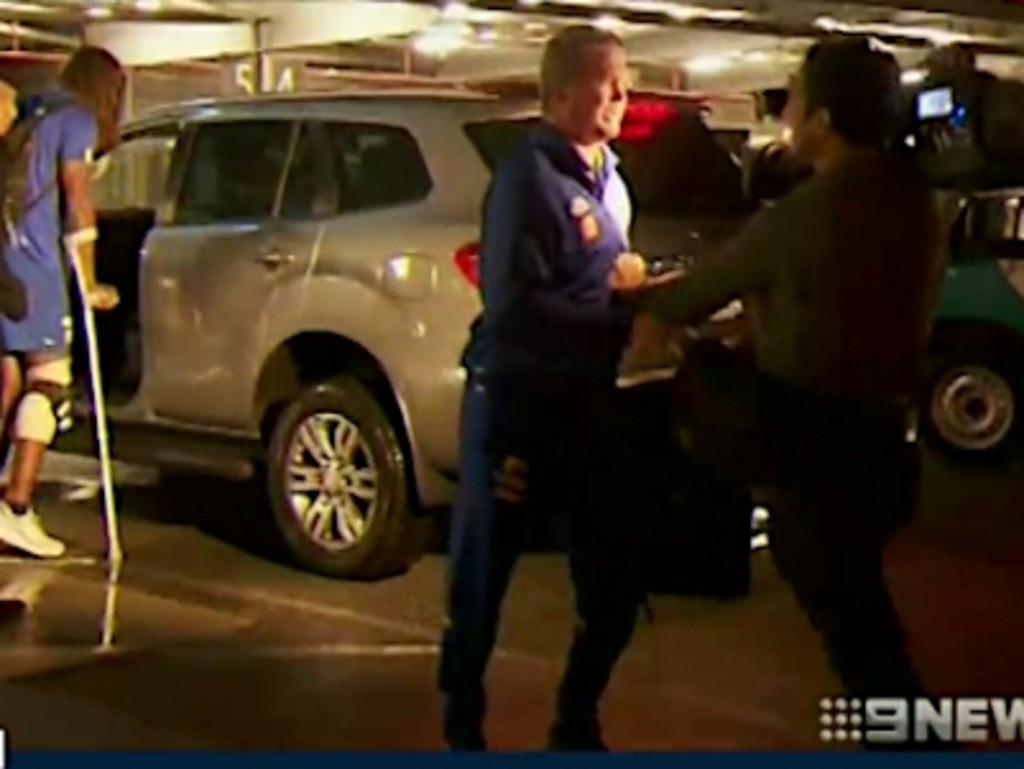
pixel 713 45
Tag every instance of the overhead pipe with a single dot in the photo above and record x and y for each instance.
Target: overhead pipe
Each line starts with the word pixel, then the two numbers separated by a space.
pixel 20 31
pixel 758 23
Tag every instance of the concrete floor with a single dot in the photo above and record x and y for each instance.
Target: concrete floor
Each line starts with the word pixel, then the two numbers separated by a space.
pixel 205 641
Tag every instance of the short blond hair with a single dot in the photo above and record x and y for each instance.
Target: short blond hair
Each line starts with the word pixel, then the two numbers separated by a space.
pixel 566 55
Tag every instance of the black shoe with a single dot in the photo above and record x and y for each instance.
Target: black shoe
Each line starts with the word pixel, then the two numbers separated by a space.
pixel 463 724
pixel 578 738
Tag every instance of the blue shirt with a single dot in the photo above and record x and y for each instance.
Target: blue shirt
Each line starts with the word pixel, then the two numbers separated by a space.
pixel 552 230
pixel 67 134
pixel 35 251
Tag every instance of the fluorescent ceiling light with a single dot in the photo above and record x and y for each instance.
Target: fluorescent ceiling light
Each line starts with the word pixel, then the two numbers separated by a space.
pixel 725 14
pixel 681 12
pixel 913 76
pixel 442 40
pixel 455 10
pixel 711 64
pixel 99 12
pixel 707 65
pixel 24 7
pixel 933 35
pixel 148 5
pixel 650 6
pixel 607 22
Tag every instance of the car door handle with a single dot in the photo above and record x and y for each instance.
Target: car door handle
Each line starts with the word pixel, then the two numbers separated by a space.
pixel 273 259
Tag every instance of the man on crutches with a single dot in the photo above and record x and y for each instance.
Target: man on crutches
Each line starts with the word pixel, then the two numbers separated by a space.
pixel 49 218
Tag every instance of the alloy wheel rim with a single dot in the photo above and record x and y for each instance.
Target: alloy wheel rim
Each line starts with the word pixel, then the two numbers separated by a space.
pixel 331 480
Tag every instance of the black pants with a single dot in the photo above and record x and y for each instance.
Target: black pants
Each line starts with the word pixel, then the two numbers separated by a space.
pixel 570 473
pixel 853 485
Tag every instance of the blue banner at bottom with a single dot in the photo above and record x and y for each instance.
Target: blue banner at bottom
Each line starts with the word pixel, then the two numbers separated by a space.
pixel 773 760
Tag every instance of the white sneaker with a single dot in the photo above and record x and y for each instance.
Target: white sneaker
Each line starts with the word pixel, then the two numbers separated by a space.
pixel 26 533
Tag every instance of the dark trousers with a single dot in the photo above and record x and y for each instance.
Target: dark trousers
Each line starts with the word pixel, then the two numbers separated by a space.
pixel 565 440
pixel 849 483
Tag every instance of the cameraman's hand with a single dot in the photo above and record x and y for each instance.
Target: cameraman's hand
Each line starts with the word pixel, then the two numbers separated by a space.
pixel 664 279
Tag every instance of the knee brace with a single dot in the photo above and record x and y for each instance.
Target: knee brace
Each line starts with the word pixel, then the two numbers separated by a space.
pixel 45 408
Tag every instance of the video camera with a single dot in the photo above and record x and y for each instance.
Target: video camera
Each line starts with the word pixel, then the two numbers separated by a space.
pixel 965 127
pixel 962 126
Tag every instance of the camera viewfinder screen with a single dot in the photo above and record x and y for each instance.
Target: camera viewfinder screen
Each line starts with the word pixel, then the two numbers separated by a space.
pixel 936 103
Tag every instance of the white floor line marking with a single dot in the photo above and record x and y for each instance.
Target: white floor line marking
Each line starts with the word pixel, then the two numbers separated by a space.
pixel 69 560
pixel 281 650
pixel 298 604
pixel 305 650
pixel 684 696
pixel 691 698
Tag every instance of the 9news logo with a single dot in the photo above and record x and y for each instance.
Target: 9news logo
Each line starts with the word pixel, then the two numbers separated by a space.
pixel 841 720
pixel 895 721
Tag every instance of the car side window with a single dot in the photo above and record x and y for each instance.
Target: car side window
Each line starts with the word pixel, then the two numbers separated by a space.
pixel 234 171
pixel 306 193
pixel 376 166
pixel 134 174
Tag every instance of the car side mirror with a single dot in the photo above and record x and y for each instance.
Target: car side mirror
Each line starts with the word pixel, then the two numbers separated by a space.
pixel 772 172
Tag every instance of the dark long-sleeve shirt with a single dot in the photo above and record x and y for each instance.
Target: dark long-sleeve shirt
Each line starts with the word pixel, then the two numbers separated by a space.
pixel 841 279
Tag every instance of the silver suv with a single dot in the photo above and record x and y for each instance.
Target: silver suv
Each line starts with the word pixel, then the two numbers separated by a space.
pixel 298 277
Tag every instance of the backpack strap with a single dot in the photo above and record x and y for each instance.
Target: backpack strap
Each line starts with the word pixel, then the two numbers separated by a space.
pixel 18 140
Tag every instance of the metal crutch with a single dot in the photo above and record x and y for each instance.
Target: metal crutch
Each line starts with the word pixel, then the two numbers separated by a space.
pixel 114 552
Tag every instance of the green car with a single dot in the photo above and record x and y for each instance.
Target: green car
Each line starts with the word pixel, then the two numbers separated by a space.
pixel 972 403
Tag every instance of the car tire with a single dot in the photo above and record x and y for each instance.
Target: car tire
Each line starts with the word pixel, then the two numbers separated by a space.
pixel 317 534
pixel 971 408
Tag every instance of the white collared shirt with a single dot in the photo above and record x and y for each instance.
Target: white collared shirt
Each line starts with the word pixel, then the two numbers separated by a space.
pixel 617 199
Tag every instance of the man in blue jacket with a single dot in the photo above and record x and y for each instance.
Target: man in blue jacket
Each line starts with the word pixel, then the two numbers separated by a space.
pixel 542 366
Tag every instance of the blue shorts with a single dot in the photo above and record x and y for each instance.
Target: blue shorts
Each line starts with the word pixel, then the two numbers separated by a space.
pixel 48 325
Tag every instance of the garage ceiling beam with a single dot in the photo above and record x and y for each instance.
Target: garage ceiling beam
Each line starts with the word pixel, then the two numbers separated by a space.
pixel 15 31
pixel 140 44
pixel 308 24
pixel 282 26
pixel 994 10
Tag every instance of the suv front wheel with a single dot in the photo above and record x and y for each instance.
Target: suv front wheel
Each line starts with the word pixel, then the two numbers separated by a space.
pixel 338 486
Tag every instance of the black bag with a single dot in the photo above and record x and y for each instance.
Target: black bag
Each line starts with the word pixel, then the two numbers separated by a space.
pixel 15 155
pixel 703 547
pixel 719 412
pixel 696 524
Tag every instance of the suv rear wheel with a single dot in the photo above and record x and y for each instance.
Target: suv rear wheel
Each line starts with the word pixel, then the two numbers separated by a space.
pixel 338 486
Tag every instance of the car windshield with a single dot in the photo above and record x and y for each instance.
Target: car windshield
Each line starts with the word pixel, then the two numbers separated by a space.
pixel 674 164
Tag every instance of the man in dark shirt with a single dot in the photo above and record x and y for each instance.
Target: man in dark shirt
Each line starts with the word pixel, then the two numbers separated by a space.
pixel 538 403
pixel 840 279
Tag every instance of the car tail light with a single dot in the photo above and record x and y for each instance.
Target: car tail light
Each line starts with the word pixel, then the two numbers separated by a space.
pixel 467 260
pixel 643 117
pixel 650 111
